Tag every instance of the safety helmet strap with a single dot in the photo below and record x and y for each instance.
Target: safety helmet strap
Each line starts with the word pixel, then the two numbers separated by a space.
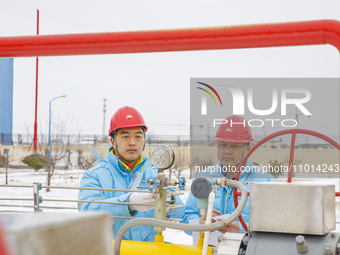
pixel 128 163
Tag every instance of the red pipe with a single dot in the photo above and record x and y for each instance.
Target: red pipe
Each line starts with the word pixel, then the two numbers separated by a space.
pixel 291 158
pixel 35 137
pixel 232 37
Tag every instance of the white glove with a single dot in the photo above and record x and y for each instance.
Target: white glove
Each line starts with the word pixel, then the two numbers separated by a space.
pixel 141 198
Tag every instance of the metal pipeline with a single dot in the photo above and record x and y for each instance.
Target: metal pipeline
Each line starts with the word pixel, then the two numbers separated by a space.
pixel 208 221
pixel 316 32
pixel 185 227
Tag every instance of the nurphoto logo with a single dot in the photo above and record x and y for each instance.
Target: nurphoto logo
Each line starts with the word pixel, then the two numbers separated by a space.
pixel 244 102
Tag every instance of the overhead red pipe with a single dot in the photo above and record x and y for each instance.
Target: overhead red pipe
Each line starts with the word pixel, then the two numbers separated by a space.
pixel 232 37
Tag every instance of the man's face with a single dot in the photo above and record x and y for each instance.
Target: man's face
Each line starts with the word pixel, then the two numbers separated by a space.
pixel 230 154
pixel 130 142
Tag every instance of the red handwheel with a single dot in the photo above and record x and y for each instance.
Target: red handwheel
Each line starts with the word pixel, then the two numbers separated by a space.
pixel 293 132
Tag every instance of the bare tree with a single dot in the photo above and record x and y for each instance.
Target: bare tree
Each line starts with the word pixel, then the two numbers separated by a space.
pixel 88 161
pixel 201 161
pixel 59 146
pixel 5 158
pixel 4 163
pixel 181 162
pixel 277 167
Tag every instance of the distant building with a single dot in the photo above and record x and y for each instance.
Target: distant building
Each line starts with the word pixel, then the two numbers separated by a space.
pixel 314 146
pixel 6 101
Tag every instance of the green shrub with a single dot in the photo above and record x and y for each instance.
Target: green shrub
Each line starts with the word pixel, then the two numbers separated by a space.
pixel 2 161
pixel 35 161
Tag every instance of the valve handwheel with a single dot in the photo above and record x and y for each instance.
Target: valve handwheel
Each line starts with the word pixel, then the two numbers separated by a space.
pixel 293 132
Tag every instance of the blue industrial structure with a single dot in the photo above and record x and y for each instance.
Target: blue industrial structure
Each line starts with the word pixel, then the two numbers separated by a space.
pixel 6 101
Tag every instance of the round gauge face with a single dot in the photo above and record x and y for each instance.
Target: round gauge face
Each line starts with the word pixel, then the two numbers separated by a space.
pixel 201 188
pixel 162 157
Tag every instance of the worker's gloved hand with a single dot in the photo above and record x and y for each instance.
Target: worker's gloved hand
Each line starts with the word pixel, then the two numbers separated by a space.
pixel 232 227
pixel 141 198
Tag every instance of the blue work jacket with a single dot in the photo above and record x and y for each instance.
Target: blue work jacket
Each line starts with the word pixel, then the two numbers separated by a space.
pixel 224 201
pixel 109 173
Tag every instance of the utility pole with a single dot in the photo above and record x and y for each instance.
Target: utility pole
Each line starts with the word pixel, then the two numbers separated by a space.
pixel 192 131
pixel 104 113
pixel 297 114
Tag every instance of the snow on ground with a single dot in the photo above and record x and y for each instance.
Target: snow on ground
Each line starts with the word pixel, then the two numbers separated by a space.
pixel 67 178
pixel 61 178
pixel 71 178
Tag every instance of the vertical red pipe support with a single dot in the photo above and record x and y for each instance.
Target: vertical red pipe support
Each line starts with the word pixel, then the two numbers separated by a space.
pixel 291 158
pixel 35 138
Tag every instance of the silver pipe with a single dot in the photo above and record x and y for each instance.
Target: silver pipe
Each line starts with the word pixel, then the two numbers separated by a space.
pixel 22 199
pixel 16 186
pixel 26 206
pixel 176 193
pixel 98 202
pixel 56 207
pixel 10 211
pixel 127 217
pixel 175 206
pixel 185 227
pixel 80 188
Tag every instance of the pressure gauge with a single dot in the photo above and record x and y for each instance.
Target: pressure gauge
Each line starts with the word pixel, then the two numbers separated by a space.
pixel 162 157
pixel 201 187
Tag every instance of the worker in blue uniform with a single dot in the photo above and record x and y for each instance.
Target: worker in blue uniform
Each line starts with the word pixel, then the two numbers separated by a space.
pixel 233 142
pixel 124 167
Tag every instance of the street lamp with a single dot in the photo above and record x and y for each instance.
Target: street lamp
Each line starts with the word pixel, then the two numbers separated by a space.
pixel 49 127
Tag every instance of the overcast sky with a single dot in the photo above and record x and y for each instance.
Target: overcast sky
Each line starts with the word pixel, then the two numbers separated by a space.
pixel 157 84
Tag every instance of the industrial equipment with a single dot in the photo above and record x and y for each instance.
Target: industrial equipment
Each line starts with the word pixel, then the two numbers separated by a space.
pixel 296 230
pixel 285 218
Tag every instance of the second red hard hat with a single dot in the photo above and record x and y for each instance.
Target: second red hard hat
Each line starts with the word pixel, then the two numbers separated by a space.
pixel 234 130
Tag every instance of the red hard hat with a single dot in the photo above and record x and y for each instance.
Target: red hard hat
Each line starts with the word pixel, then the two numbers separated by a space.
pixel 126 117
pixel 235 129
